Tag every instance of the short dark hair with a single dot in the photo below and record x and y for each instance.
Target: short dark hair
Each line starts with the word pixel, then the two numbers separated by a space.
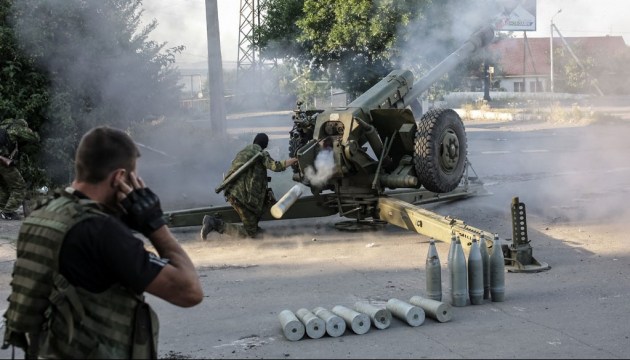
pixel 262 140
pixel 103 150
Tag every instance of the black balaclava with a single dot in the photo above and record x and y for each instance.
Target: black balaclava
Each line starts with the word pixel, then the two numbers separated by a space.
pixel 261 140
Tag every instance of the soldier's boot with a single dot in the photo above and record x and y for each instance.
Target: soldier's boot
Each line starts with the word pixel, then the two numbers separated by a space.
pixel 10 215
pixel 210 223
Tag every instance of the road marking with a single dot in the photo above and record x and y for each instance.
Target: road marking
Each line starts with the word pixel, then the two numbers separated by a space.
pixel 508 152
pixel 617 170
pixel 495 152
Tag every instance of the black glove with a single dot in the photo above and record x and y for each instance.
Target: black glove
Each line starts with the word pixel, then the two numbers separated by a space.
pixel 144 213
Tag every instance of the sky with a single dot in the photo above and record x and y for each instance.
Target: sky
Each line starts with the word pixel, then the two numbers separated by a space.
pixel 183 22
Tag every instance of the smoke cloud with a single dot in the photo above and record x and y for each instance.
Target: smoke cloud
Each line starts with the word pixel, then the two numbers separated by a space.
pixel 324 168
pixel 102 71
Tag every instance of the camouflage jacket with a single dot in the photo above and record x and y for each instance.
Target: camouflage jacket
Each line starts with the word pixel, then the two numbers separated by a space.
pixel 250 187
pixel 16 131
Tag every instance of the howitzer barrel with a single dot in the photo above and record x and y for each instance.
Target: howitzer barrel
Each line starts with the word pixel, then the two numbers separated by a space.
pixel 236 173
pixel 397 89
pixel 389 91
pixel 478 40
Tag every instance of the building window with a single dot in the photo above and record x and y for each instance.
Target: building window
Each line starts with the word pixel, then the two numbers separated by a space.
pixel 519 86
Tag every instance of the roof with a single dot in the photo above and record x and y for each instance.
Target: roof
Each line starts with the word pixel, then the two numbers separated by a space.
pixel 510 52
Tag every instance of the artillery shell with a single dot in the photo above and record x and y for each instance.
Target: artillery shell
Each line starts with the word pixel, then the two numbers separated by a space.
pixel 475 274
pixel 485 260
pixel 292 328
pixel 335 326
pixel 381 317
pixel 459 277
pixel 497 272
pixel 433 273
pixel 315 327
pixel 410 314
pixel 358 322
pixel 436 310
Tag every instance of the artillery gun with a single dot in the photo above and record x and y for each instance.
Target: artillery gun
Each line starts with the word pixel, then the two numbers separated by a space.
pixel 377 143
pixel 405 154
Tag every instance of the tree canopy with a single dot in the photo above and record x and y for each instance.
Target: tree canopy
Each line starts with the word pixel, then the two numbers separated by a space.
pixel 355 43
pixel 69 65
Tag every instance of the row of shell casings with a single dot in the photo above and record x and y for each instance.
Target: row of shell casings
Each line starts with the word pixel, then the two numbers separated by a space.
pixel 320 321
pixel 479 276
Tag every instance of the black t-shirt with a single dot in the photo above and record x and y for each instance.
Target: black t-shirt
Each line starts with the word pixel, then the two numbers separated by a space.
pixel 101 251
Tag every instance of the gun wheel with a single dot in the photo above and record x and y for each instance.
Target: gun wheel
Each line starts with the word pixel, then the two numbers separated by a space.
pixel 360 225
pixel 440 150
pixel 297 139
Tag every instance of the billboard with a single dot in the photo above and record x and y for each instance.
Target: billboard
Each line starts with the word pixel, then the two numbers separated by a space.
pixel 522 18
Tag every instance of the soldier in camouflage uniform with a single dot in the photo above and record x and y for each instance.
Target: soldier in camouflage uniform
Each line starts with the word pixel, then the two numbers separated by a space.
pixel 248 192
pixel 13 132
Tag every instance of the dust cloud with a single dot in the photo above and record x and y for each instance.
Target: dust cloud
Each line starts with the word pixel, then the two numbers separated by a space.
pixel 587 184
pixel 565 173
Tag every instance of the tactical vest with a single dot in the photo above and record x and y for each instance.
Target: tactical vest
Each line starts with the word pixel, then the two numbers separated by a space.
pixel 61 320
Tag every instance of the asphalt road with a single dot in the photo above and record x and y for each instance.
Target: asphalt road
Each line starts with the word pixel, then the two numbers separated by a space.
pixel 575 182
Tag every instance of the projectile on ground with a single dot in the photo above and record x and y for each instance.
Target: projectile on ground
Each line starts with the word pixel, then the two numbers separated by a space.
pixel 411 314
pixel 485 259
pixel 358 322
pixel 335 326
pixel 449 259
pixel 436 310
pixel 292 327
pixel 497 272
pixel 475 274
pixel 315 327
pixel 459 277
pixel 433 270
pixel 381 317
pixel 286 201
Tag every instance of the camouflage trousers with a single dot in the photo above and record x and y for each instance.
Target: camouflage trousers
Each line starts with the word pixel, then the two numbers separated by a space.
pixel 250 220
pixel 12 188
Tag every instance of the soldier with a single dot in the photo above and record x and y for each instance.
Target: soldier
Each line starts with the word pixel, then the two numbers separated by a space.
pixel 13 132
pixel 80 273
pixel 248 193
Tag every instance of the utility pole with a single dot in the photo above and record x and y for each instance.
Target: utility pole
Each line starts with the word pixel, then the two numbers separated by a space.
pixel 551 51
pixel 253 83
pixel 215 71
pixel 486 81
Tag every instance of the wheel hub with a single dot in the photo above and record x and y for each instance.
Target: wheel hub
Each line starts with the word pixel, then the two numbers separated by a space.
pixel 449 152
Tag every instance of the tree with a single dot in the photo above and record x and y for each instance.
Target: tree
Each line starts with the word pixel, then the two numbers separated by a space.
pixel 573 78
pixel 355 43
pixel 276 38
pixel 615 76
pixel 605 68
pixel 94 65
pixel 346 41
pixel 23 92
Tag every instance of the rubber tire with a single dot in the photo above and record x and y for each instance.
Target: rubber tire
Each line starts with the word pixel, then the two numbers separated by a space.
pixel 297 139
pixel 438 171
